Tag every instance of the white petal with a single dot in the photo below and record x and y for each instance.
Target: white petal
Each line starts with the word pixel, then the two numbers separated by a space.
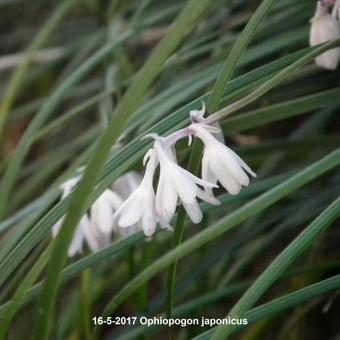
pixel 207 175
pixel 225 177
pixel 76 246
pixel 149 222
pixel 194 212
pixel 183 184
pixel 230 184
pixel 166 198
pixel 231 163
pixel 148 219
pixel 325 28
pixel 101 216
pixel 89 233
pixel 130 212
pixel 329 60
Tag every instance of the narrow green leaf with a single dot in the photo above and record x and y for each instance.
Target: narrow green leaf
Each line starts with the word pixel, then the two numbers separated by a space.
pixel 282 303
pixel 234 56
pixel 21 292
pixel 281 262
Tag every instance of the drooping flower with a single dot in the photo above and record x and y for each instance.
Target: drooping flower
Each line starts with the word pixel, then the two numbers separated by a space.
pixel 324 28
pixel 139 207
pixel 219 163
pixel 176 183
pixel 96 225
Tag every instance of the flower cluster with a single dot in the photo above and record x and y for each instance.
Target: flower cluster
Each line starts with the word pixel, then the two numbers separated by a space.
pixel 147 207
pixel 132 204
pixel 96 226
pixel 325 27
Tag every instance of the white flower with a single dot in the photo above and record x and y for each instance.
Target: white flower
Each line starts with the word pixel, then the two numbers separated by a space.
pixel 219 163
pixel 96 225
pixel 139 208
pixel 175 182
pixel 324 28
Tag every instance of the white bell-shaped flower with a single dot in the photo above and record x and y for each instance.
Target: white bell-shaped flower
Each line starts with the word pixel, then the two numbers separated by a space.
pixel 96 225
pixel 139 207
pixel 219 163
pixel 324 28
pixel 177 183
